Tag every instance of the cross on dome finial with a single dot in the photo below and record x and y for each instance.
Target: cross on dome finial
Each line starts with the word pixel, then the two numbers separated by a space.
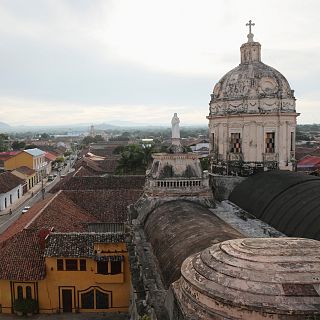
pixel 250 35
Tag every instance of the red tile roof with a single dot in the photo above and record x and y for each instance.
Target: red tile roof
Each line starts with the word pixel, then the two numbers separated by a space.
pixel 302 151
pixel 8 154
pixel 100 183
pixel 63 215
pixel 23 220
pixel 85 172
pixel 26 170
pixel 22 258
pixel 22 244
pixel 309 162
pixel 105 205
pixel 9 181
pixel 50 156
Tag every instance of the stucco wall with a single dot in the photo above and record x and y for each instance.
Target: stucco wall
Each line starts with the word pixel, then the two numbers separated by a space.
pixel 14 193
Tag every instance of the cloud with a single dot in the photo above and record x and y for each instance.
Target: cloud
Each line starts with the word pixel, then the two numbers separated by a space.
pixel 90 58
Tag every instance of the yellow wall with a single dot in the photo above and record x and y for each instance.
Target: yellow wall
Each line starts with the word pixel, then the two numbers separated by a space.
pixel 5 296
pixel 30 180
pixel 49 290
pixel 19 160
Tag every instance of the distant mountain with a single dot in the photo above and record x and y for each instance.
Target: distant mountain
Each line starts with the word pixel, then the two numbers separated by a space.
pixel 5 127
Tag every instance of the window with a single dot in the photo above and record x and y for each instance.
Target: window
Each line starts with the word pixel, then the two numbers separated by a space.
pixel 102 300
pixel 87 300
pixel 115 267
pixel 18 194
pixel 235 143
pixel 71 264
pixel 102 267
pixel 212 141
pixel 60 264
pixel 28 292
pixel 270 142
pixel 292 142
pixel 20 292
pixel 95 299
pixel 83 265
pixel 5 202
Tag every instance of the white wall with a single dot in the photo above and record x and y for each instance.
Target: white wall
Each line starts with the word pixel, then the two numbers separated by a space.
pixel 14 193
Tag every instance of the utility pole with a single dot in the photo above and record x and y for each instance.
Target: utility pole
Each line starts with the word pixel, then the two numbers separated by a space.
pixel 42 187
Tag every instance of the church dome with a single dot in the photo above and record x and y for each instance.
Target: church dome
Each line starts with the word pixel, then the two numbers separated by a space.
pixel 254 278
pixel 252 87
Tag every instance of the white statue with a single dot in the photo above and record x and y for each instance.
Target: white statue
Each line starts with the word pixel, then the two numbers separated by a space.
pixel 175 127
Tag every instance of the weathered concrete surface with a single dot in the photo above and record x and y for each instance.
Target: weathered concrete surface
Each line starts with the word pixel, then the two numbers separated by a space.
pixel 252 279
pixel 222 186
pixel 180 228
pixel 146 204
pixel 244 222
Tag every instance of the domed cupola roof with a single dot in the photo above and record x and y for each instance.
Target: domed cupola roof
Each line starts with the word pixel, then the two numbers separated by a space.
pixel 252 87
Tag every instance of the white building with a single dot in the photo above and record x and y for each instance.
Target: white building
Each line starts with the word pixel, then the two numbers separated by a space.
pixel 253 114
pixel 11 189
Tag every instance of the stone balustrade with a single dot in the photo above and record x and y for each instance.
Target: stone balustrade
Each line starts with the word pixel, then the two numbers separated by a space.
pixel 177 184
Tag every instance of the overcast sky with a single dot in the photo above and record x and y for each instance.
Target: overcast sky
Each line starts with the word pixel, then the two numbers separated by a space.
pixel 92 61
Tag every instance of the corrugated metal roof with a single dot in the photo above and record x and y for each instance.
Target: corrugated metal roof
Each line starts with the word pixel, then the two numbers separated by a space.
pixel 35 152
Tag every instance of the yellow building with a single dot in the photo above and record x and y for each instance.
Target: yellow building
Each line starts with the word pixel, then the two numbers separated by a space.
pixel 31 158
pixel 76 272
pixel 28 175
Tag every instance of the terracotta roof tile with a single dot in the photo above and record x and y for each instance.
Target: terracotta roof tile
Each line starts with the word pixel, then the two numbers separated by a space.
pixel 78 244
pixel 9 181
pixel 101 183
pixel 105 205
pixel 50 156
pixel 22 257
pixel 85 172
pixel 25 170
pixel 23 220
pixel 63 215
pixel 309 161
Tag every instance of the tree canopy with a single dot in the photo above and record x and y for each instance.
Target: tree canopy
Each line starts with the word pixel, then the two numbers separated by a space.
pixel 134 159
pixel 4 142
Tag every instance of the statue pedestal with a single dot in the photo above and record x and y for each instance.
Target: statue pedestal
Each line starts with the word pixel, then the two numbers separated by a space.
pixel 175 146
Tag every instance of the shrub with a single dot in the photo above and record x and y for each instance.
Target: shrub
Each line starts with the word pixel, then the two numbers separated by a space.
pixel 31 306
pixel 19 305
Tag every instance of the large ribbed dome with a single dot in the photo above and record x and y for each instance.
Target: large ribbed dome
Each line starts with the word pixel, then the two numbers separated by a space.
pixel 256 278
pixel 252 87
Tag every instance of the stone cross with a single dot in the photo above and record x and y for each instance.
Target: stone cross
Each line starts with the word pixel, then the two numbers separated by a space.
pixel 250 24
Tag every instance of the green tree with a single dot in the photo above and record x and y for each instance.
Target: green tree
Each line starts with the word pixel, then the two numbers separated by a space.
pixel 44 136
pixel 87 140
pixel 4 142
pixel 18 145
pixel 204 163
pixel 98 138
pixel 118 149
pixel 30 146
pixel 132 161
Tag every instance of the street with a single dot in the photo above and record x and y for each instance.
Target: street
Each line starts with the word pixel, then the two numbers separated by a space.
pixel 7 219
